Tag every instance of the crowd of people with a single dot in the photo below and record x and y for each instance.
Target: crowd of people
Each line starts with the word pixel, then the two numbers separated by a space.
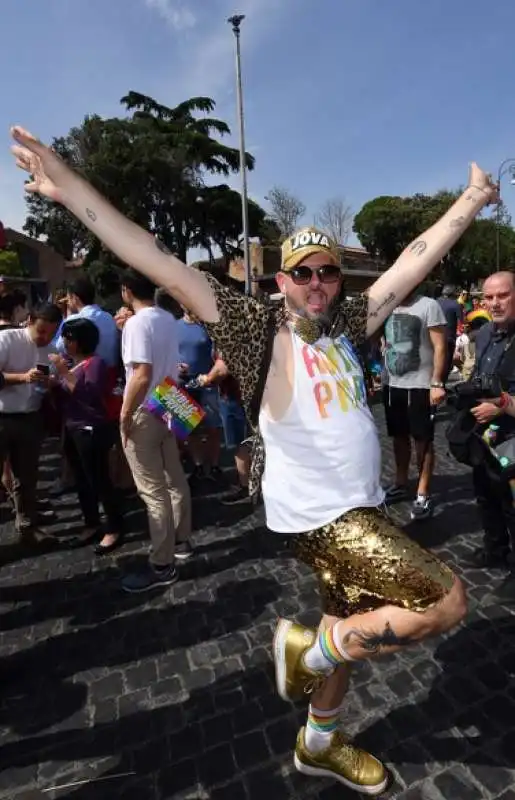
pixel 294 376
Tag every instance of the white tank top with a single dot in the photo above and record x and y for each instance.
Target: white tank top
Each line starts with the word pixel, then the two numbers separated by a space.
pixel 323 457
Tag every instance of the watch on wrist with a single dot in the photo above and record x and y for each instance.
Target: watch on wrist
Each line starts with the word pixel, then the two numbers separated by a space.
pixel 437 385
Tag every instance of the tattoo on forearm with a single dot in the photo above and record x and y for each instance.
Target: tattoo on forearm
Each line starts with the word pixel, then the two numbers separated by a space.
pixel 418 247
pixel 373 642
pixel 459 222
pixel 382 305
pixel 91 214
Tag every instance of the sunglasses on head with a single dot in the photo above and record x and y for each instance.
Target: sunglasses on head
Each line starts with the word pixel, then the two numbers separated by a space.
pixel 302 275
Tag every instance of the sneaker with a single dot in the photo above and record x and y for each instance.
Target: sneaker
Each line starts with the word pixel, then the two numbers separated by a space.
pixel 183 551
pixel 149 578
pixel 396 494
pixel 237 496
pixel 422 508
pixel 293 678
pixel 342 761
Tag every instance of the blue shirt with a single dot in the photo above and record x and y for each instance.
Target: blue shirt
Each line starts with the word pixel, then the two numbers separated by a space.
pixel 195 348
pixel 109 341
pixel 453 314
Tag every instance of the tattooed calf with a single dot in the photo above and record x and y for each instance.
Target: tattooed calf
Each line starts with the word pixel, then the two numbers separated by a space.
pixel 373 642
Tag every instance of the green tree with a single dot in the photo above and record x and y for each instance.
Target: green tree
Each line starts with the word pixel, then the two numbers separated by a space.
pixel 10 263
pixel 386 225
pixel 220 221
pixel 153 166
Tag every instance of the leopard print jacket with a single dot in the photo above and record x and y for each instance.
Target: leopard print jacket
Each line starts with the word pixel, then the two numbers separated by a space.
pixel 242 337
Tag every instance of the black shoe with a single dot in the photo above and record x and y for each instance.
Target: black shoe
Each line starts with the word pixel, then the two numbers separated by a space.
pixel 104 549
pixel 237 497
pixel 486 559
pixel 84 541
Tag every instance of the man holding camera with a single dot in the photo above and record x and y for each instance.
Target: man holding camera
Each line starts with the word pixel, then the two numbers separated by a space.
pixel 24 369
pixel 495 356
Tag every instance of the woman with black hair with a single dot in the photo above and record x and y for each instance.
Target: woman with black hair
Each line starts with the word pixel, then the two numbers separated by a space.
pixel 90 431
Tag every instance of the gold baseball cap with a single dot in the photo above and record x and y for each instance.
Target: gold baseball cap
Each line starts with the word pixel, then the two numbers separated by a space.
pixel 305 243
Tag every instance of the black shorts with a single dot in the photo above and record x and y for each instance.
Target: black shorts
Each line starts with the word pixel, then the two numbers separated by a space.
pixel 408 413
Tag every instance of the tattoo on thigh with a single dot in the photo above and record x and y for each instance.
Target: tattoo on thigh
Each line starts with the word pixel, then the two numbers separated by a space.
pixel 372 642
pixel 91 214
pixel 418 247
pixel 383 304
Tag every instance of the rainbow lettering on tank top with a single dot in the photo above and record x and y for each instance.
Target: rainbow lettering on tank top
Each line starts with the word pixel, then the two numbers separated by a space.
pixel 336 360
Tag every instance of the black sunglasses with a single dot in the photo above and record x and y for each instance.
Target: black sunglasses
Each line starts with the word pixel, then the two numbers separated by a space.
pixel 302 275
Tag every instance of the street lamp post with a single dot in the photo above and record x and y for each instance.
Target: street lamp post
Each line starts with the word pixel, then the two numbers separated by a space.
pixel 507 166
pixel 236 21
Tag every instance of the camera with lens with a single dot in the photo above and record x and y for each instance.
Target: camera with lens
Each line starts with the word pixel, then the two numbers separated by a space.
pixel 468 394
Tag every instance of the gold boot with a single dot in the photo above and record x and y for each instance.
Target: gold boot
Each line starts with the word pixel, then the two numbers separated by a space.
pixel 291 642
pixel 353 767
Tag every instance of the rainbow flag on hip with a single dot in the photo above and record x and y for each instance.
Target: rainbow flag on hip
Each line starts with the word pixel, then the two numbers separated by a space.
pixel 174 406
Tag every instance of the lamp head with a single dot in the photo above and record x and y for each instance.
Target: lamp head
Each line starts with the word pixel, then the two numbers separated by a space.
pixel 236 21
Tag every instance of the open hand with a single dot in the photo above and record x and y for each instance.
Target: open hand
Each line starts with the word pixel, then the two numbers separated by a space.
pixel 482 180
pixel 44 166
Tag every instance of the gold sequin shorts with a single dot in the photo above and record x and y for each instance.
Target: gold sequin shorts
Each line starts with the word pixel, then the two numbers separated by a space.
pixel 364 561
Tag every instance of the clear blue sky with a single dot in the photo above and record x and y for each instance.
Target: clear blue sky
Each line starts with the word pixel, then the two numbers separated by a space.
pixel 352 98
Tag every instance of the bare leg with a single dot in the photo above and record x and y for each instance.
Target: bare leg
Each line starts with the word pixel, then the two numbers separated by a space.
pixel 242 462
pixel 402 451
pixel 390 628
pixel 425 461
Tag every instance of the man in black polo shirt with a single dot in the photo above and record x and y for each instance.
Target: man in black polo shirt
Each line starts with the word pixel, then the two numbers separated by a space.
pixel 494 345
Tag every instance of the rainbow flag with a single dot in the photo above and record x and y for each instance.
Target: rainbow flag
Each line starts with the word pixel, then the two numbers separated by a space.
pixel 174 406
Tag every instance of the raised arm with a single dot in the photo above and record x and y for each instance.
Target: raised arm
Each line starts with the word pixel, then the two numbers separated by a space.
pixel 423 254
pixel 53 179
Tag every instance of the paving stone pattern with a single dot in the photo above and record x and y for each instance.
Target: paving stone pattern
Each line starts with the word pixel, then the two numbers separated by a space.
pixel 171 695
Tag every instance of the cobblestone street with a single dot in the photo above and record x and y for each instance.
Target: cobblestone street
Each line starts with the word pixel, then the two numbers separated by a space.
pixel 171 695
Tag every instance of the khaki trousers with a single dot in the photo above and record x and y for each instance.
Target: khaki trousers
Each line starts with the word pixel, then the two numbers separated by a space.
pixel 153 458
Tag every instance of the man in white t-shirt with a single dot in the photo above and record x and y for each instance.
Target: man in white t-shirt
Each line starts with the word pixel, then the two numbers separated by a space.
pixel 415 370
pixel 24 368
pixel 150 354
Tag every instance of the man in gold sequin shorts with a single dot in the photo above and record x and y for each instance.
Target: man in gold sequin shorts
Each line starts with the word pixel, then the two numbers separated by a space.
pixel 303 392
